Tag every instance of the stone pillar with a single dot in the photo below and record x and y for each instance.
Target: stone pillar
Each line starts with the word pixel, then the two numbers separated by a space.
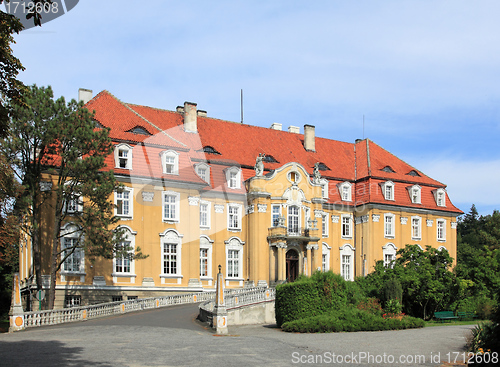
pixel 281 261
pixel 16 312
pixel 220 312
pixel 309 262
pixel 272 265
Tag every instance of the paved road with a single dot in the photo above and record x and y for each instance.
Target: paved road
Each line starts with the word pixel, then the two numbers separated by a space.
pixel 172 337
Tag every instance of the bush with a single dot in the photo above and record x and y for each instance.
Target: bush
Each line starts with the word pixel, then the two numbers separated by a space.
pixel 392 290
pixel 371 305
pixel 350 319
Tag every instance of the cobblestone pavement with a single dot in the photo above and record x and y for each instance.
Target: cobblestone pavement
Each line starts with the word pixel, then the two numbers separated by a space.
pixel 172 337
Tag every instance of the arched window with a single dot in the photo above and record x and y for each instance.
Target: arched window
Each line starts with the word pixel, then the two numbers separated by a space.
pixel 171 255
pixel 123 263
pixel 389 252
pixel 325 257
pixel 347 262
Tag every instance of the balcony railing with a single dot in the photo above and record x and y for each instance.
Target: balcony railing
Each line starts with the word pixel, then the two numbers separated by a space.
pixel 284 233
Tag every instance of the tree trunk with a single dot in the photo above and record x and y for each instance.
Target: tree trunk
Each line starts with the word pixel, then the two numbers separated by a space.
pixel 54 263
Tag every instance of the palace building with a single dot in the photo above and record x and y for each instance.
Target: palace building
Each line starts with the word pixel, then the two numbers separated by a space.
pixel 264 203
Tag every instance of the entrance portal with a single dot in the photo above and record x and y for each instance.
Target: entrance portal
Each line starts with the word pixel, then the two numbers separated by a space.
pixel 292 265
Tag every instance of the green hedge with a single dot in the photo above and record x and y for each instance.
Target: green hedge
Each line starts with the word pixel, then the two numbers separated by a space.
pixel 350 319
pixel 297 300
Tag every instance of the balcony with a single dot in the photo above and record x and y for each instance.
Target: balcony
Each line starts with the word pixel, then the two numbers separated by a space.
pixel 281 233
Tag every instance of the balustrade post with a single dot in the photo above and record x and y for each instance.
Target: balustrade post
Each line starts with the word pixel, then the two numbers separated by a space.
pixel 16 312
pixel 220 312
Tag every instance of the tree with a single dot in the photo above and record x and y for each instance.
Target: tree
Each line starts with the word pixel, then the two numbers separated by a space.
pixel 60 145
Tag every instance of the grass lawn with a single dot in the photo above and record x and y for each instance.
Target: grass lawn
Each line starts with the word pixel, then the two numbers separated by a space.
pixel 453 322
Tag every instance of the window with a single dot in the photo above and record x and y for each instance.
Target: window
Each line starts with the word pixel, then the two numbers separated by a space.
pixel 441 229
pixel 203 262
pixel 324 188
pixel 205 257
pixel 123 156
pixel 234 258
pixel 440 197
pixel 275 216
pixel 346 262
pixel 415 194
pixel 346 226
pixel 233 177
pixel 204 214
pixel 73 255
pixel 324 225
pixel 73 204
pixel 124 203
pixel 389 221
pixel 171 202
pixel 116 298
pixel 388 190
pixel 345 191
pixel 169 258
pixel 170 162
pixel 389 252
pixel 171 249
pixel 234 216
pixel 293 219
pixel 72 301
pixel 203 170
pixel 210 150
pixel 325 257
pixel 122 262
pixel 416 224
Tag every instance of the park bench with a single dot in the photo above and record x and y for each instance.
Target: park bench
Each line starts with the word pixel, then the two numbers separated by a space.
pixel 445 315
pixel 466 315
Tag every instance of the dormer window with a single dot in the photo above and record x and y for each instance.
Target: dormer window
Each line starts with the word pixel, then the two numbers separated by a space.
pixel 139 130
pixel 388 169
pixel 345 191
pixel 323 167
pixel 123 156
pixel 210 150
pixel 388 190
pixel 440 197
pixel 413 173
pixel 203 170
pixel 414 192
pixel 324 188
pixel 170 162
pixel 233 178
pixel 270 159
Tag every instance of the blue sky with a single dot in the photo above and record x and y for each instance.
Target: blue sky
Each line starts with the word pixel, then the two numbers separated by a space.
pixel 422 73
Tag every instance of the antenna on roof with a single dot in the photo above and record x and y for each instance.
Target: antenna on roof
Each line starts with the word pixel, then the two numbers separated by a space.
pixel 242 106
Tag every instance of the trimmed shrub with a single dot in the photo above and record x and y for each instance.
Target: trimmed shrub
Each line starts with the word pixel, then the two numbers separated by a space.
pixel 350 319
pixel 297 300
pixel 392 290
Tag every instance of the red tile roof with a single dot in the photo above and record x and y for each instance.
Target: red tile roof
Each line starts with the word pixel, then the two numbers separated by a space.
pixel 361 163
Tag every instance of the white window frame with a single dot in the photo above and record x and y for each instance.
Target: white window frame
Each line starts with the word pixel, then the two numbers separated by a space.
pixel 74 205
pixel 275 220
pixel 291 227
pixel 129 236
pixel 206 244
pixel 324 188
pixel 325 257
pixel 324 224
pixel 239 212
pixel 346 223
pixel 347 272
pixel 440 197
pixel 236 182
pixel 208 206
pixel 73 232
pixel 389 253
pixel 130 199
pixel 175 166
pixel 126 148
pixel 441 237
pixel 234 244
pixel 389 225
pixel 388 190
pixel 176 217
pixel 418 236
pixel 415 199
pixel 206 167
pixel 171 237
pixel 345 188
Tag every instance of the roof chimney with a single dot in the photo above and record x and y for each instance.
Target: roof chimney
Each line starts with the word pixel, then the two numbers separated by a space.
pixel 190 121
pixel 84 95
pixel 276 126
pixel 309 138
pixel 294 129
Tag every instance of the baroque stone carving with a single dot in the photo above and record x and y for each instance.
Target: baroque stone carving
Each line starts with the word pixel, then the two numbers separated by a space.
pixel 262 208
pixel 219 208
pixel 193 200
pixel 259 165
pixel 148 196
pixel 375 218
pixel 404 220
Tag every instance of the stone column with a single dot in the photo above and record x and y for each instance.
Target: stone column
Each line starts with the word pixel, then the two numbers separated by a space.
pixel 219 322
pixel 281 261
pixel 272 265
pixel 309 262
pixel 16 312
